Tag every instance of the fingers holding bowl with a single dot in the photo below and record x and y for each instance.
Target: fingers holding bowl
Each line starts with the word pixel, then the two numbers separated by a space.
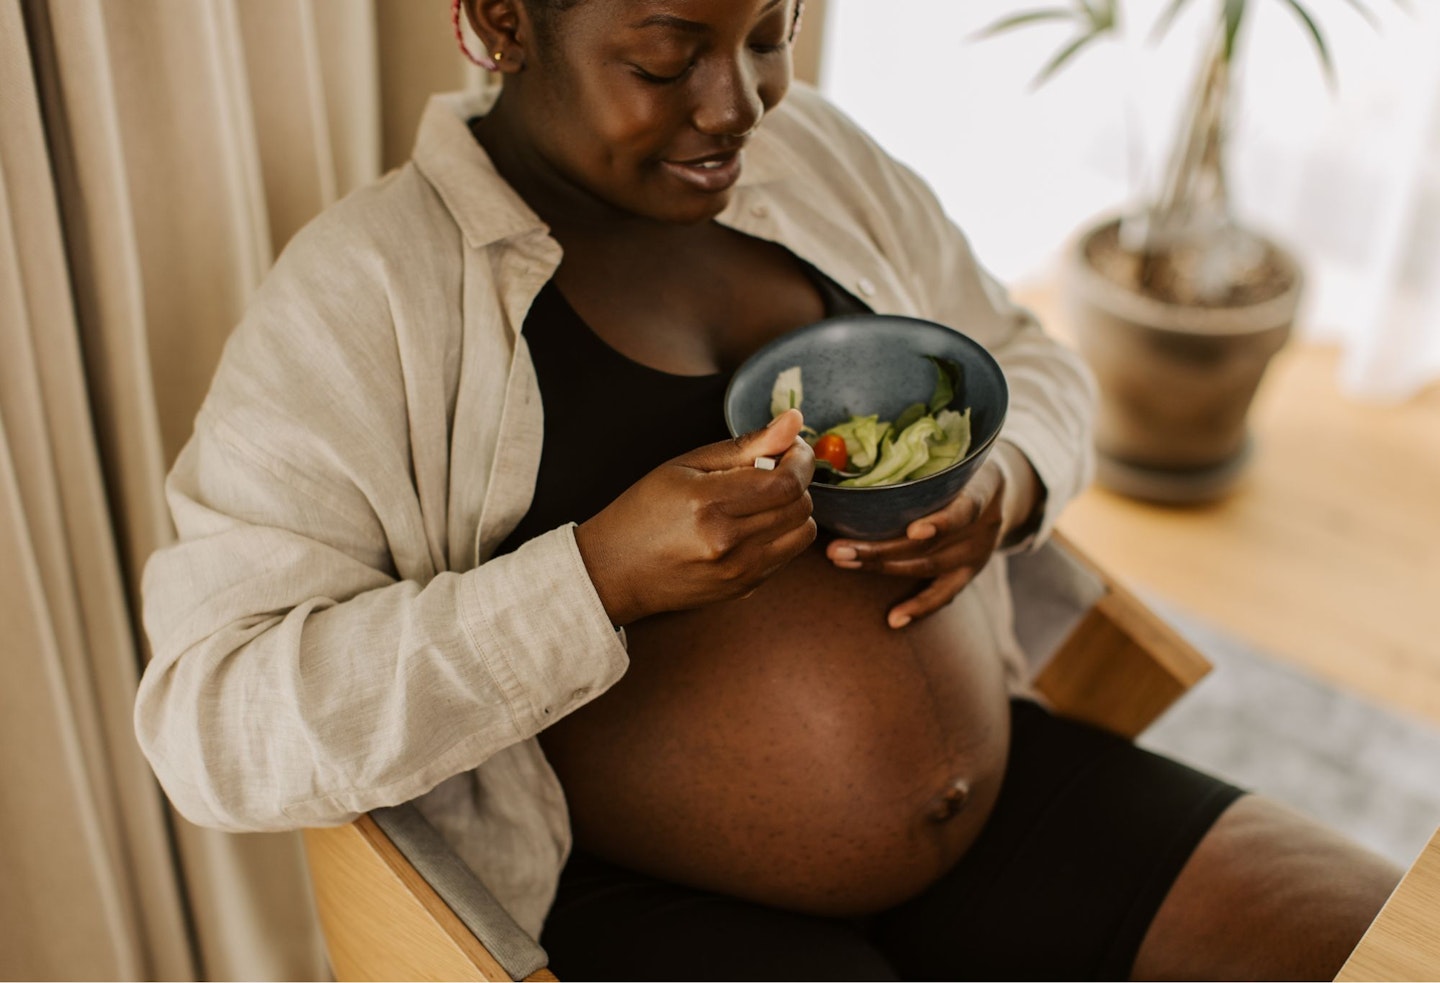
pixel 927 539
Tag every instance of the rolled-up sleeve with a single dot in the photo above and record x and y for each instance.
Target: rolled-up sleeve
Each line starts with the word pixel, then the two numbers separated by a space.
pixel 1052 399
pixel 298 689
pixel 292 684
pixel 315 652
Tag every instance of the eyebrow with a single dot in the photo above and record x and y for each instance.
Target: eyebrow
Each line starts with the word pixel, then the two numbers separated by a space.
pixel 689 26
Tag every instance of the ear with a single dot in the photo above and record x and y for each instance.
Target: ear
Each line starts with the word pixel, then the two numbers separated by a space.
pixel 504 28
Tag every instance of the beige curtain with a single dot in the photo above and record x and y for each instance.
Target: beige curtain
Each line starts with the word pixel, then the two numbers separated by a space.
pixel 154 156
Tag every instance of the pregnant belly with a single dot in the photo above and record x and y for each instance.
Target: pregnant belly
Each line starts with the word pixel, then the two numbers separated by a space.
pixel 792 749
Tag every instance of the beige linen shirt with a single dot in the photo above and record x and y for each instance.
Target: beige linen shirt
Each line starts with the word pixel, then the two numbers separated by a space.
pixel 330 634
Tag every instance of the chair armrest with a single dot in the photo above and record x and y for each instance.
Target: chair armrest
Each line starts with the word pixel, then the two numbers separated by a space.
pixel 396 904
pixel 1119 665
pixel 1052 590
pixel 461 890
pixel 1403 942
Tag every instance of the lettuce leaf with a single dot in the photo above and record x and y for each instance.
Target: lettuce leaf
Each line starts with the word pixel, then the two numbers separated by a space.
pixel 910 450
pixel 862 439
pixel 787 392
pixel 950 447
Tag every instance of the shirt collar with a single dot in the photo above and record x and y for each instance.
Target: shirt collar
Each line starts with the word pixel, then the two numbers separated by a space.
pixel 484 205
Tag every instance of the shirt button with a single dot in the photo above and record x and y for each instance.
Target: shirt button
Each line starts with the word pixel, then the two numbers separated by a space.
pixel 581 693
pixel 760 211
pixel 866 286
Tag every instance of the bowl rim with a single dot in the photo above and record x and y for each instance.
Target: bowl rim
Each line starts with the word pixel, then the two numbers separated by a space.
pixel 975 450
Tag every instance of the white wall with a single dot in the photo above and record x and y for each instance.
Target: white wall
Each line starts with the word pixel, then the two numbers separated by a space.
pixel 1350 177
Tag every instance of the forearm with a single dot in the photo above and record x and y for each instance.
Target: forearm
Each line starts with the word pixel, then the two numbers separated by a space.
pixel 1023 494
pixel 327 709
pixel 1052 406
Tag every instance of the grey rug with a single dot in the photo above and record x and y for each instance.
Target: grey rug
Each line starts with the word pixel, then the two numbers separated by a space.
pixel 1366 770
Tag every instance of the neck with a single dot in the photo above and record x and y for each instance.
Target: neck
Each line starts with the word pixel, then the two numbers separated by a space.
pixel 562 204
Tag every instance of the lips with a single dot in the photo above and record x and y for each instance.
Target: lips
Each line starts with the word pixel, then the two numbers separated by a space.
pixel 710 174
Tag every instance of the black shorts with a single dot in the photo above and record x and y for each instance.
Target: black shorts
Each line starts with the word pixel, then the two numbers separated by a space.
pixel 1087 836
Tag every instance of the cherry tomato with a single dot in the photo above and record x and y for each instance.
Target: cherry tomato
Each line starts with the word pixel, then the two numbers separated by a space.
pixel 831 448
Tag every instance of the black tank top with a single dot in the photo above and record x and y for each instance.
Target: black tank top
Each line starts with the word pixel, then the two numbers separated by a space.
pixel 610 420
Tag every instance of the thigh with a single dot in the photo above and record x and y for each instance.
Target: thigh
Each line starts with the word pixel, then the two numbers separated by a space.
pixel 1087 836
pixel 1267 894
pixel 609 923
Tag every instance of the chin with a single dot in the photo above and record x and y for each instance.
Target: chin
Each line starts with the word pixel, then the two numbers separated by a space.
pixel 697 210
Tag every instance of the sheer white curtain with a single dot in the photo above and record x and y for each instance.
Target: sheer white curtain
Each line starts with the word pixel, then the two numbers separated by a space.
pixel 154 157
pixel 1349 177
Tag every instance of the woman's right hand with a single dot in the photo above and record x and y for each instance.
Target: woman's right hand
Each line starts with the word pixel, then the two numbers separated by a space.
pixel 706 526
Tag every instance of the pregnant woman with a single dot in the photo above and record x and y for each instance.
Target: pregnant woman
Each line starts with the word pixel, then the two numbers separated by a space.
pixel 460 523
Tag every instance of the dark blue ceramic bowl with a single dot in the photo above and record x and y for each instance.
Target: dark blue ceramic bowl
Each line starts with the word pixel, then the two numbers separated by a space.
pixel 874 363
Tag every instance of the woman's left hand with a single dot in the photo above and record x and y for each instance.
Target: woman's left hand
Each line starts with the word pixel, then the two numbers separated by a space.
pixel 951 546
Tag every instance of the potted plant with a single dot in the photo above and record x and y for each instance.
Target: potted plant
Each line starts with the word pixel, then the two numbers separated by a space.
pixel 1177 305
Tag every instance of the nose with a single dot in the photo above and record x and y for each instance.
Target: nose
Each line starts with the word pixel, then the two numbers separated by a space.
pixel 731 104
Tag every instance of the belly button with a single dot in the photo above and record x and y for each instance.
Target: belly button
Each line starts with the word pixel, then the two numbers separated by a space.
pixel 947 804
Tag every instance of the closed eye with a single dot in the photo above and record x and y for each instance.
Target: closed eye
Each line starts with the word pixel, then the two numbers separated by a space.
pixel 655 79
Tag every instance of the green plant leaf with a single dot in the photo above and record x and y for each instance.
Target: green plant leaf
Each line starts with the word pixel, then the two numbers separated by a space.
pixel 1093 19
pixel 1105 14
pixel 1020 20
pixel 1234 15
pixel 1315 36
pixel 1066 53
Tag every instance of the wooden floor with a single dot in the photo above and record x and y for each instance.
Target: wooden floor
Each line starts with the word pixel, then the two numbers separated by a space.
pixel 1327 555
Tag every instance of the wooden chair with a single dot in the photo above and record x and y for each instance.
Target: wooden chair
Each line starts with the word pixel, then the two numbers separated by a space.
pixel 395 903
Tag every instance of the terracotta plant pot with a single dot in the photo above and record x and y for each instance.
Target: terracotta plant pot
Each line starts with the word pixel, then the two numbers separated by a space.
pixel 1176 381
